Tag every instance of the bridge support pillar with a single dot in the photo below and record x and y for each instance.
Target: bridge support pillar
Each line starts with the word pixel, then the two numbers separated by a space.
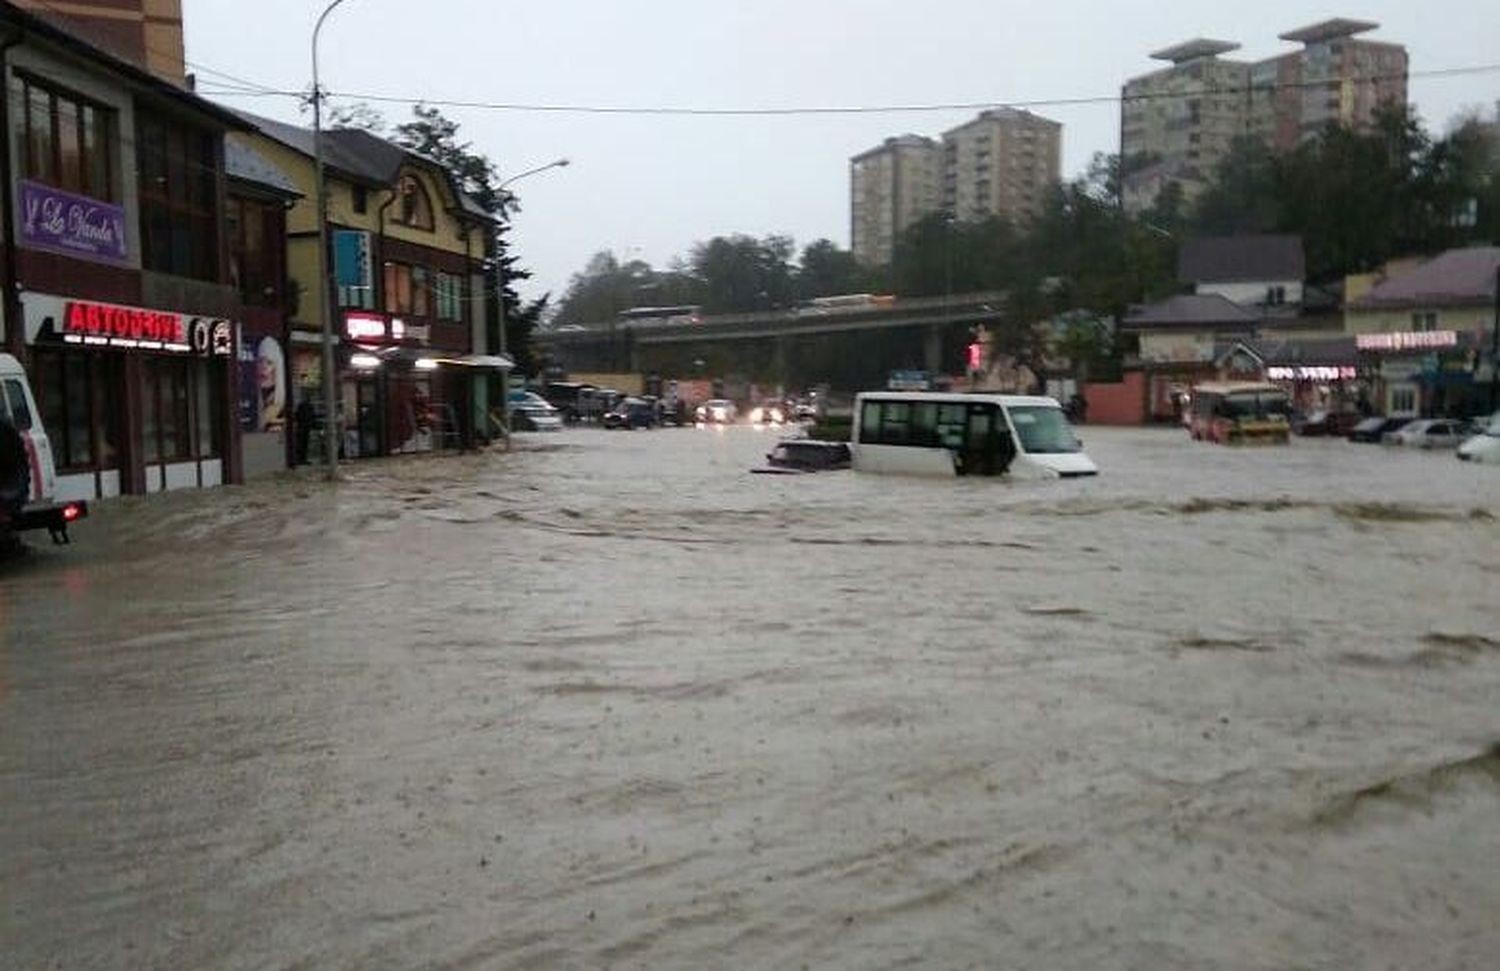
pixel 932 348
pixel 779 369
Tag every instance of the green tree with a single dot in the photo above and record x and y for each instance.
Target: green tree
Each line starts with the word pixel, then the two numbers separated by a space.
pixel 604 287
pixel 740 273
pixel 826 271
pixel 432 134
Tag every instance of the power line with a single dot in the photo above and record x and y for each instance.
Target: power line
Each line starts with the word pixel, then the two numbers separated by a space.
pixel 239 83
pixel 231 80
pixel 236 86
pixel 765 111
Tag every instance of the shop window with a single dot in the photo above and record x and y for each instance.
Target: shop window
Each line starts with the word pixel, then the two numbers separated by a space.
pixel 207 409
pixel 179 184
pixel 182 415
pixel 415 206
pixel 255 250
pixel 67 141
pixel 1403 400
pixel 78 396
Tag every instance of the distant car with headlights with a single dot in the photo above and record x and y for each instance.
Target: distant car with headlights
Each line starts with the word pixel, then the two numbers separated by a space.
pixel 716 411
pixel 1428 433
pixel 1483 448
pixel 767 415
pixel 632 413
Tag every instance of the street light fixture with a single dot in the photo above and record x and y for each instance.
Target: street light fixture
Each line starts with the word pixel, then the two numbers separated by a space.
pixel 500 289
pixel 561 163
pixel 330 293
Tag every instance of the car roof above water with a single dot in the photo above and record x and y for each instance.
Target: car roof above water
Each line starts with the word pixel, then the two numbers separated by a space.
pixel 961 397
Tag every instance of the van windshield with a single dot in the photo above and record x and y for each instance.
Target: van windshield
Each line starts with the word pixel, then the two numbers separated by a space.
pixel 1252 404
pixel 1043 429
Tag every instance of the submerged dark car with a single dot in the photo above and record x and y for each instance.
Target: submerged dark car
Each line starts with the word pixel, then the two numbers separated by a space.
pixel 632 413
pixel 1373 429
pixel 1332 423
pixel 798 455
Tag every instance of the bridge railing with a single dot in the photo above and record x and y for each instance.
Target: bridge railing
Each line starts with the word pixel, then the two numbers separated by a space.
pixel 709 323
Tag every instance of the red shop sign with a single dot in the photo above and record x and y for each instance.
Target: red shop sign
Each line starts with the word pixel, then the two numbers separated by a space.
pixel 111 325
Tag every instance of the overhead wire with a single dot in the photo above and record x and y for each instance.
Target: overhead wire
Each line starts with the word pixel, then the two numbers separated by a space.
pixel 1239 90
pixel 237 86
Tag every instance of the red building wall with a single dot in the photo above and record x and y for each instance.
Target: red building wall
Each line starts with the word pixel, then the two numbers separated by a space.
pixel 1123 403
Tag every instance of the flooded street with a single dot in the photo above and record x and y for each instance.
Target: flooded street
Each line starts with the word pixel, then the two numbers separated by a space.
pixel 609 700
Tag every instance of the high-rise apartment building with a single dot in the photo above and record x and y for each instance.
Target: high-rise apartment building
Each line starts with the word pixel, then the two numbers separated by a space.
pixel 1003 163
pixel 1177 124
pixel 1334 80
pixel 892 186
pixel 145 32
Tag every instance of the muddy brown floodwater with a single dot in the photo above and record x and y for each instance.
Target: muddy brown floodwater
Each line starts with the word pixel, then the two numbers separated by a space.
pixel 611 701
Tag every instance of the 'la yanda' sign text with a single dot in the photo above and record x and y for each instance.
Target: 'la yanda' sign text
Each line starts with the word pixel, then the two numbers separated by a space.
pixel 66 223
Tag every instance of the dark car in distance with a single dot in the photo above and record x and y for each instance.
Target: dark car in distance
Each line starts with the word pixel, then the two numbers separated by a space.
pixel 1331 423
pixel 794 456
pixel 632 413
pixel 1373 429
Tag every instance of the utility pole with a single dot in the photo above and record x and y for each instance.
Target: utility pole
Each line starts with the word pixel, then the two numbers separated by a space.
pixel 1495 349
pixel 330 292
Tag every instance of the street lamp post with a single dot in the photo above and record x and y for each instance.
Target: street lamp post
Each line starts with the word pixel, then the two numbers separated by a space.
pixel 500 270
pixel 330 293
pixel 500 279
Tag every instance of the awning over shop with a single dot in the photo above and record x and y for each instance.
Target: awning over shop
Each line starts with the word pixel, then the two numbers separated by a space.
pixel 489 362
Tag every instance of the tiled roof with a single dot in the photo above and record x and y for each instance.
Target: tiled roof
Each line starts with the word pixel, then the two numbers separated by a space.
pixel 1241 259
pixel 246 164
pixel 1456 277
pixel 1190 310
pixel 358 155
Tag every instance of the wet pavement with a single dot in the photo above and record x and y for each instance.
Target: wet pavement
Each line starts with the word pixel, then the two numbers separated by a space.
pixel 610 700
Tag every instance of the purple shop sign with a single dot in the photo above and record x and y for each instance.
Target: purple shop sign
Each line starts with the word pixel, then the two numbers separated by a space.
pixel 66 223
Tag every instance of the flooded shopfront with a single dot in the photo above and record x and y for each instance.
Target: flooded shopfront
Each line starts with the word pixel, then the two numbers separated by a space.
pixel 135 399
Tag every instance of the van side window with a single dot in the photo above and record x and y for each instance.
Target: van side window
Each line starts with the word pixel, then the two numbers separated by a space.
pixel 895 424
pixel 869 423
pixel 952 425
pixel 20 414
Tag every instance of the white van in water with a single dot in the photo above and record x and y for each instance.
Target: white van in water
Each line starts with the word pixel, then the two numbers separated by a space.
pixel 28 481
pixel 923 433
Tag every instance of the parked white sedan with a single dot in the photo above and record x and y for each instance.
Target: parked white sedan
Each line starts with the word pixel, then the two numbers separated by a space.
pixel 1484 447
pixel 1428 433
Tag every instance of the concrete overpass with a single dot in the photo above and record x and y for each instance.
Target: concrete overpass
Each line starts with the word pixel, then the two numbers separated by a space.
pixel 849 348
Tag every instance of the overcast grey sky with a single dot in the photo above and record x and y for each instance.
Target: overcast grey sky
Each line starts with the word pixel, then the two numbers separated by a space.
pixel 650 186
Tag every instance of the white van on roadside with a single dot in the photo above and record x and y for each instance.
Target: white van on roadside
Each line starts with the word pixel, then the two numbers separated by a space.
pixel 28 479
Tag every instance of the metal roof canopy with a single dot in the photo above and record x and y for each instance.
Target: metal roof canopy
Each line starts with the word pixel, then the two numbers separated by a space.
pixel 1329 30
pixel 1194 49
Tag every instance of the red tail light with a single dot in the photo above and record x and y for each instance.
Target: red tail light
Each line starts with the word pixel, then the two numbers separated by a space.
pixel 71 512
